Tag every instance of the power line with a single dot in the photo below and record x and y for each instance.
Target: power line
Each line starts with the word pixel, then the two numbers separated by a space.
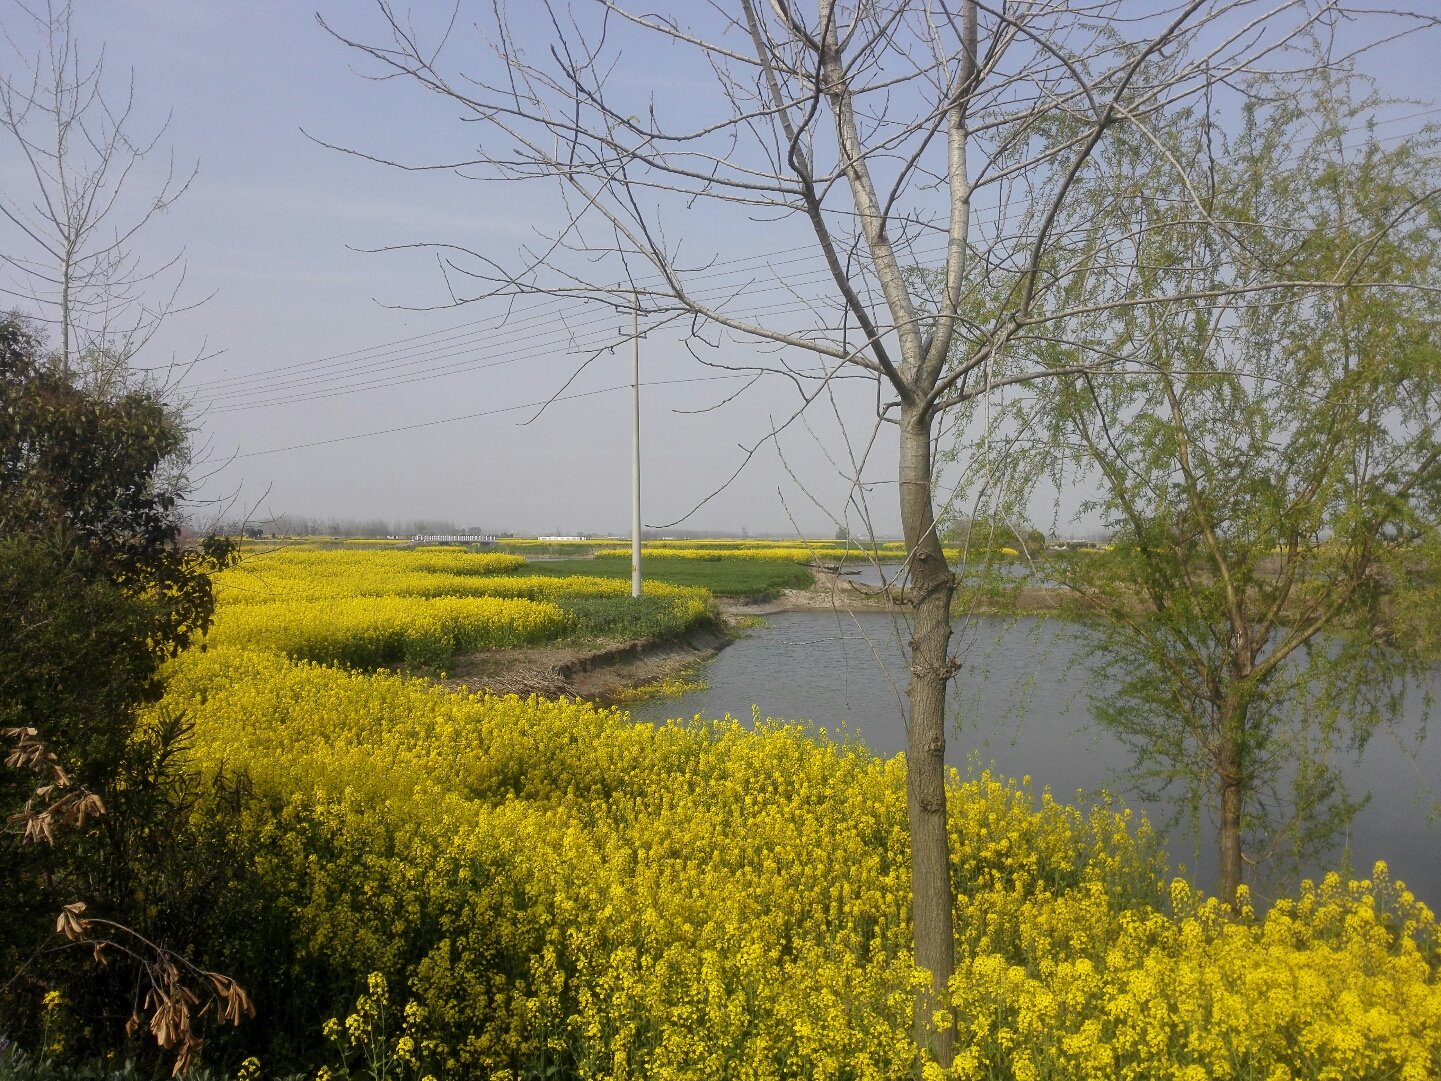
pixel 380 353
pixel 506 321
pixel 303 387
pixel 486 413
pixel 385 352
pixel 312 390
pixel 231 386
pixel 313 381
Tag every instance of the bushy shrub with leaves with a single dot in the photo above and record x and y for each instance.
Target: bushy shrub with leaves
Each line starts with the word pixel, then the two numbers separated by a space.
pixel 96 591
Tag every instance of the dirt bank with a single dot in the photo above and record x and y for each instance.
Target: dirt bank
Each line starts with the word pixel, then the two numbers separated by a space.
pixel 837 592
pixel 595 674
pixel 600 674
pixel 831 591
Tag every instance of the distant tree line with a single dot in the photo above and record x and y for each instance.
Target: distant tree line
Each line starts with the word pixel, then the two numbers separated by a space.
pixel 299 525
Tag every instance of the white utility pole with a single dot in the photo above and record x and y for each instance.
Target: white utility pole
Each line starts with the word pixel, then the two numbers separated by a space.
pixel 635 451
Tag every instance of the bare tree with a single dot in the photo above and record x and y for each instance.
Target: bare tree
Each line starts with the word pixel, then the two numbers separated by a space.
pixel 75 208
pixel 900 137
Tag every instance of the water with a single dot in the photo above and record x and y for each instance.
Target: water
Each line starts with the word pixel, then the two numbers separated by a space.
pixel 869 574
pixel 1019 706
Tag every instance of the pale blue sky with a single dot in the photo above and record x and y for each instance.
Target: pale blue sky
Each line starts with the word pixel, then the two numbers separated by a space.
pixel 271 225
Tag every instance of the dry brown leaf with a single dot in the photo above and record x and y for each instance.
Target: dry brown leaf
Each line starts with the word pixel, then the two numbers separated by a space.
pixel 70 923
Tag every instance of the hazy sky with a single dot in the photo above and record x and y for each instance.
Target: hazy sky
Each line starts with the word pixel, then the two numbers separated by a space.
pixel 309 355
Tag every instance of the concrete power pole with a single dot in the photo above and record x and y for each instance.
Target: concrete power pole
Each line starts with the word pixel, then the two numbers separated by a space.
pixel 635 450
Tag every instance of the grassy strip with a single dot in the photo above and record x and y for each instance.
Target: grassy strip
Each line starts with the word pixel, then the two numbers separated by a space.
pixel 627 618
pixel 1025 601
pixel 758 580
pixel 421 607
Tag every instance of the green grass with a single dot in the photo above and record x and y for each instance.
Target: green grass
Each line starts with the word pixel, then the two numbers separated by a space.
pixel 625 618
pixel 756 579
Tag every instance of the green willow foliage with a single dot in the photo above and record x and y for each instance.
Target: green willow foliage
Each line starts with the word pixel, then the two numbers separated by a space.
pixel 1261 435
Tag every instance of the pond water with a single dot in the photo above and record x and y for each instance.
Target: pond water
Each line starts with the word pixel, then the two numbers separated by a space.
pixel 870 574
pixel 1020 706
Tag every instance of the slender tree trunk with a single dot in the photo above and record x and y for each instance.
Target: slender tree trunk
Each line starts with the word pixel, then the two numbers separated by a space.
pixel 1232 793
pixel 65 315
pixel 926 743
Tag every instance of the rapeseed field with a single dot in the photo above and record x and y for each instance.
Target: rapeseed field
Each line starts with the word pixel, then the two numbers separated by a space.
pixel 471 886
pixel 368 608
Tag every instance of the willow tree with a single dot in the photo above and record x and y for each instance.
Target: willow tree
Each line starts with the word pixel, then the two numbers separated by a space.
pixel 1269 457
pixel 884 137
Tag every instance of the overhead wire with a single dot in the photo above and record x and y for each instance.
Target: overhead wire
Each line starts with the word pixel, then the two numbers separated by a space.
pixel 310 385
pixel 229 388
pixel 487 413
pixel 383 354
pixel 308 388
pixel 533 350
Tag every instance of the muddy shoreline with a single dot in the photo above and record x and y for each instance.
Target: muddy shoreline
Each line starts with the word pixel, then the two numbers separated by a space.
pixel 597 675
pixel 606 672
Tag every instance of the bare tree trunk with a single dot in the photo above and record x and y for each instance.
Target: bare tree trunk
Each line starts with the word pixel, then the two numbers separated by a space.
pixel 1232 792
pixel 931 669
pixel 66 281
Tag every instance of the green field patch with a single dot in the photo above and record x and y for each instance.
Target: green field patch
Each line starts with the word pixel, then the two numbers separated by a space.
pixel 723 578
